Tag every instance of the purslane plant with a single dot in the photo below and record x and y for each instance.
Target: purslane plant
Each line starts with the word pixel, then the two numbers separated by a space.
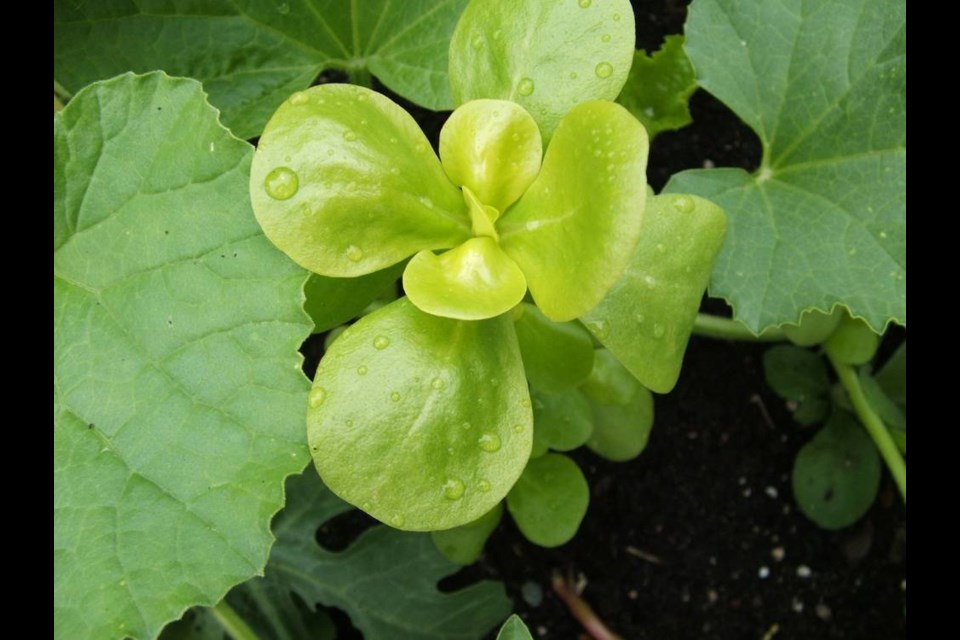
pixel 420 413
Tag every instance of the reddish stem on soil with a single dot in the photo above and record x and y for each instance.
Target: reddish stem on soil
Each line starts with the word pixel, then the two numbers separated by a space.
pixel 581 610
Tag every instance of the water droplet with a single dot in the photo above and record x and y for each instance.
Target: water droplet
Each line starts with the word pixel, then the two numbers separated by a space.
pixel 525 87
pixel 683 204
pixel 361 96
pixel 483 486
pixel 639 318
pixel 283 9
pixel 362 370
pixel 425 201
pixel 525 402
pixel 605 37
pixel 354 253
pixel 438 383
pixel 573 75
pixel 883 234
pixel 366 506
pixel 213 147
pixel 349 136
pixel 349 423
pixel 658 330
pixel 316 397
pixel 453 489
pixel 281 183
pixel 381 342
pixel 604 70
pixel 395 396
pixel 598 328
pixel 489 442
pixel 533 225
pixel 518 428
pixel 299 98
pixel 397 520
pixel 650 281
pixel 477 43
pixel 585 4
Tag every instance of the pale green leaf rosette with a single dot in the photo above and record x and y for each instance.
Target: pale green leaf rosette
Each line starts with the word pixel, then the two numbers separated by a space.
pixel 511 51
pixel 549 500
pixel 493 148
pixel 471 282
pixel 574 230
pixel 345 183
pixel 646 319
pixel 423 422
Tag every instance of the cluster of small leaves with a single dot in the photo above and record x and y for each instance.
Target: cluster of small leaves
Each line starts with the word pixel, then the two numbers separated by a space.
pixel 836 475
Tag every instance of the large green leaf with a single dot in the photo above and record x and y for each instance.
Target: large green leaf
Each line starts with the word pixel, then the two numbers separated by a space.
pixel 574 230
pixel 345 183
pixel 823 220
pixel 514 629
pixel 386 581
pixel 423 422
pixel 251 54
pixel 545 55
pixel 178 397
pixel 659 87
pixel 646 318
pixel 333 301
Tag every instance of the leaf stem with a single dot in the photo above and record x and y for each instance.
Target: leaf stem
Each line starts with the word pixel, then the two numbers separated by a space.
pixel 232 623
pixel 873 424
pixel 581 610
pixel 729 329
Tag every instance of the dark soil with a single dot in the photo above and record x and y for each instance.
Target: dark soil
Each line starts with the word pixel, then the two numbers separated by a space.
pixel 700 537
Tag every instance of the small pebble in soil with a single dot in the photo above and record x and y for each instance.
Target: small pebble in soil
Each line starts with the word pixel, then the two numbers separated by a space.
pixel 803 571
pixel 712 596
pixel 797 605
pixel 764 572
pixel 778 553
pixel 823 612
pixel 541 631
pixel 633 594
pixel 746 492
pixel 532 593
pixel 771 491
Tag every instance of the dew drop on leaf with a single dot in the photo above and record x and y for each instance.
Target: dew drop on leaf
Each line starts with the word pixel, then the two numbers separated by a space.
pixel 605 37
pixel 453 489
pixel 477 43
pixel 658 330
pixel 490 442
pixel 381 342
pixel 397 520
pixel 585 4
pixel 349 136
pixel 281 183
pixel 354 253
pixel 604 70
pixel 395 396
pixel 526 87
pixel 518 428
pixel 683 204
pixel 525 402
pixel 299 98
pixel 483 486
pixel 362 370
pixel 616 17
pixel 316 397
pixel 438 384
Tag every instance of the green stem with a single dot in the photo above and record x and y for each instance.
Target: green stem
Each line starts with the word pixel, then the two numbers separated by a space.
pixel 232 623
pixel 728 329
pixel 873 424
